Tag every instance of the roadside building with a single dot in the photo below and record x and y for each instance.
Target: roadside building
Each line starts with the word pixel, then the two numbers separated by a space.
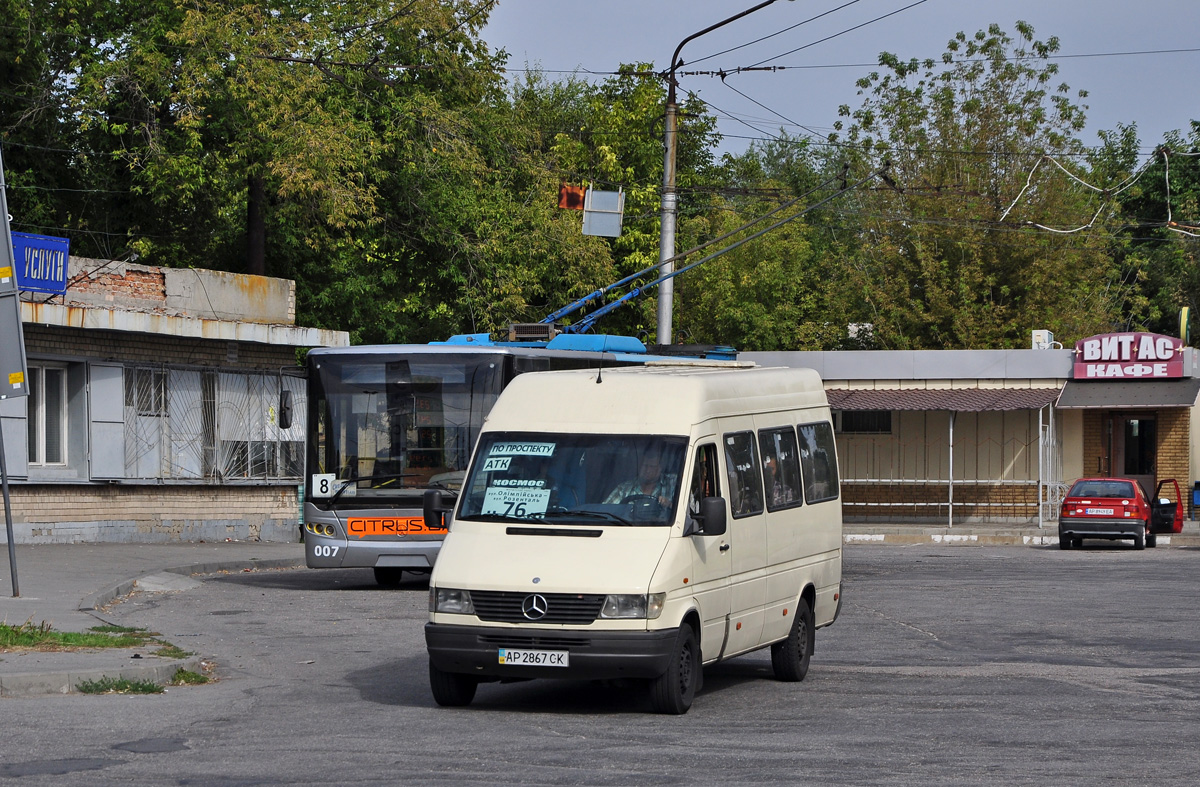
pixel 955 436
pixel 153 411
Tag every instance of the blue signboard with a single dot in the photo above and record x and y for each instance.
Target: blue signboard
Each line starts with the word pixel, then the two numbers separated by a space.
pixel 41 262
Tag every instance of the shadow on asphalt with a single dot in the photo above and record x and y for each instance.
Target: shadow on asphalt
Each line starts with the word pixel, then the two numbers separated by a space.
pixel 409 687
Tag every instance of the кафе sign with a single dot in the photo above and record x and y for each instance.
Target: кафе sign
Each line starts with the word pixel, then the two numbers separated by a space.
pixel 1135 356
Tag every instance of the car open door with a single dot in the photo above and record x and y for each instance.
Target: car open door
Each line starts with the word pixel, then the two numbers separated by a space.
pixel 1166 515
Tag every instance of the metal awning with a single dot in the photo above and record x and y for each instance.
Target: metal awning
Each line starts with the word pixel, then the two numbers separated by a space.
pixel 1129 394
pixel 960 400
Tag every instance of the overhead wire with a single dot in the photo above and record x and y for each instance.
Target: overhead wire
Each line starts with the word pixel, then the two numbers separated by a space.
pixel 842 33
pixel 772 35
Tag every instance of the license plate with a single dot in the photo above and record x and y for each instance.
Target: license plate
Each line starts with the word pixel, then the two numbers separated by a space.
pixel 1098 511
pixel 535 658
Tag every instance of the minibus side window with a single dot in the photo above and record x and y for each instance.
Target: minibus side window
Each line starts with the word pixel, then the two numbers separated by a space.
pixel 781 468
pixel 704 480
pixel 818 459
pixel 745 479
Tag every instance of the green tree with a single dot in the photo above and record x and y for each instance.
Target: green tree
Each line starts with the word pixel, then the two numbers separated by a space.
pixel 609 135
pixel 959 248
pixel 1162 213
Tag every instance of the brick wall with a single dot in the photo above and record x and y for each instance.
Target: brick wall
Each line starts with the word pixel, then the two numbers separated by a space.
pixel 1172 444
pixel 1173 448
pixel 48 513
pixel 42 341
pixel 929 502
pixel 1095 445
pixel 131 282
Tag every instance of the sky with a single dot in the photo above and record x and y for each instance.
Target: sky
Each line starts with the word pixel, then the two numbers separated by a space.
pixel 1155 91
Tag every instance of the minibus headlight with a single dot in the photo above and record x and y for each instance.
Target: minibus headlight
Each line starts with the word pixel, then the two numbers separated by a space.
pixel 457 602
pixel 646 606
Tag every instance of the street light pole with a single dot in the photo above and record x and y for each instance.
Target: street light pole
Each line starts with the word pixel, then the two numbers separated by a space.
pixel 670 199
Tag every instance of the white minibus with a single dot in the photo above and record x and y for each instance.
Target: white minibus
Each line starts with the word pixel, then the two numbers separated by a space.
pixel 639 523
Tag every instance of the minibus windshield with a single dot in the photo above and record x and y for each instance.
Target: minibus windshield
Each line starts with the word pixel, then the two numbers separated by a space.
pixel 574 479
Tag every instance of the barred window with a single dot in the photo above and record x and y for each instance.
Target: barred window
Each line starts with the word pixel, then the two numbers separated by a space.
pixel 207 424
pixel 46 424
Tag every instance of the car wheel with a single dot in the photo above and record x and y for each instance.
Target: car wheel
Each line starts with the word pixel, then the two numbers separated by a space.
pixel 451 689
pixel 388 577
pixel 789 658
pixel 673 691
pixel 1151 540
pixel 1139 539
pixel 1064 542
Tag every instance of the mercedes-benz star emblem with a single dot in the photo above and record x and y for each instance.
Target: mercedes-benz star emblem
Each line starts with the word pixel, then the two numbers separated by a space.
pixel 534 606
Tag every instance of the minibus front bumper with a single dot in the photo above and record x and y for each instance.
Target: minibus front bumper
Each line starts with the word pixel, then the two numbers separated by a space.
pixel 593 655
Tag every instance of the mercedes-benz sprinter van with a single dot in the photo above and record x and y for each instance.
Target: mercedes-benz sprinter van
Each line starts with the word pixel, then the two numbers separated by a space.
pixel 639 523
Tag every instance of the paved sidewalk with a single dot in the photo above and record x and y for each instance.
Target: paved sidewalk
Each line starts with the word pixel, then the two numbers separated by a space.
pixel 67 585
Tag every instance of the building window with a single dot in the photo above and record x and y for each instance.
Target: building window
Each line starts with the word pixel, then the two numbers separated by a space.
pixel 146 391
pixel 865 422
pixel 193 423
pixel 47 420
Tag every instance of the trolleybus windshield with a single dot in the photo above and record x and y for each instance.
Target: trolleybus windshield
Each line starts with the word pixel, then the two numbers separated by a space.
pixel 382 428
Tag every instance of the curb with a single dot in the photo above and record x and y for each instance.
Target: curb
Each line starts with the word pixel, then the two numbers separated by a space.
pixel 1011 538
pixel 102 598
pixel 31 684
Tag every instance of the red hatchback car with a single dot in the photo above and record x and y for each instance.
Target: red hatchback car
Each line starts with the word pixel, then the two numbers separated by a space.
pixel 1118 508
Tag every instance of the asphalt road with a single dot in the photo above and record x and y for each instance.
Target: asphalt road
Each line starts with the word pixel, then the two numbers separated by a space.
pixel 948 666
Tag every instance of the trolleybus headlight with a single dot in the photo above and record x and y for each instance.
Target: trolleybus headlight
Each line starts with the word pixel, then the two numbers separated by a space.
pixel 646 606
pixel 457 602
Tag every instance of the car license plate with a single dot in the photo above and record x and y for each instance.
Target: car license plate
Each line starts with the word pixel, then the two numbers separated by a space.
pixel 1098 511
pixel 535 658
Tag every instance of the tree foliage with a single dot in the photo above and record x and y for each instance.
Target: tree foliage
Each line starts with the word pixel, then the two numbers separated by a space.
pixel 954 250
pixel 1161 208
pixel 374 153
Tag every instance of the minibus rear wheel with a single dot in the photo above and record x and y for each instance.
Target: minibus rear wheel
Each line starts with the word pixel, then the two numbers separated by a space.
pixel 673 691
pixel 789 658
pixel 451 689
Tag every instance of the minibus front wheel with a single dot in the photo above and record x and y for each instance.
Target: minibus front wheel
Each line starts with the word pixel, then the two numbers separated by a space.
pixel 673 691
pixel 452 689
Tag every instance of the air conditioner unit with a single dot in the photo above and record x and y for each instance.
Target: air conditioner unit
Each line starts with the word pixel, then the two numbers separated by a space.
pixel 1042 340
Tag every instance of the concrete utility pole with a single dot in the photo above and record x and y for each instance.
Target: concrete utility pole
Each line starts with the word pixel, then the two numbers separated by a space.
pixel 670 200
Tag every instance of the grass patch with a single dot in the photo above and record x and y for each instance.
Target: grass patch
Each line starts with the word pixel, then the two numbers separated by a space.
pixel 41 636
pixel 117 630
pixel 168 651
pixel 185 677
pixel 118 686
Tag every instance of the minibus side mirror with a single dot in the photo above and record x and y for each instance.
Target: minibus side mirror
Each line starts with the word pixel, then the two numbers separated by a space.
pixel 434 506
pixel 285 409
pixel 712 516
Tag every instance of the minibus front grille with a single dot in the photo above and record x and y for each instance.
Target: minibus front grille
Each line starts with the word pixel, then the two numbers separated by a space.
pixel 499 606
pixel 558 643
